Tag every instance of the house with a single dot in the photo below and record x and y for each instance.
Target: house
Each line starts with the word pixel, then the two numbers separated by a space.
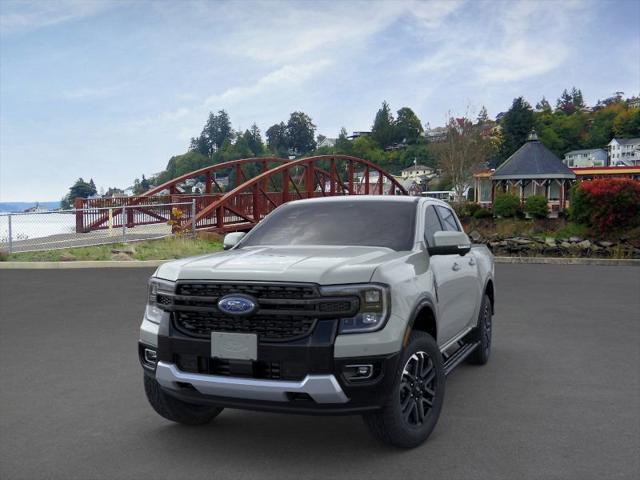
pixel 591 173
pixel 532 170
pixel 327 142
pixel 420 173
pixel 358 134
pixel 593 157
pixel 435 135
pixel 624 152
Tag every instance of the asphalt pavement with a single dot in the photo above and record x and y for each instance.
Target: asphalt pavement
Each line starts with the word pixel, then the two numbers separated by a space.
pixel 560 397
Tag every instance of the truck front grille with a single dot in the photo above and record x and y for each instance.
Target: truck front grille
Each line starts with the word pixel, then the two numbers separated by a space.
pixel 285 311
pixel 268 327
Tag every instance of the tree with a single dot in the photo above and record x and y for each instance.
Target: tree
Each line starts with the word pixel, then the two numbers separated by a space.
pixel 627 124
pixel 565 103
pixel 463 151
pixel 543 106
pixel 382 130
pixel 277 139
pixel 576 99
pixel 408 126
pixel 80 189
pixel 301 133
pixel 343 144
pixel 483 116
pixel 253 138
pixel 216 131
pixel 517 123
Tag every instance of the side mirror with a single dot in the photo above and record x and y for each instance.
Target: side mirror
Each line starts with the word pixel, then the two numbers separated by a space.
pixel 232 239
pixel 450 243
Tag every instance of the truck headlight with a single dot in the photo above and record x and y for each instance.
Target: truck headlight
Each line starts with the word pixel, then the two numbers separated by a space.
pixel 374 306
pixel 158 289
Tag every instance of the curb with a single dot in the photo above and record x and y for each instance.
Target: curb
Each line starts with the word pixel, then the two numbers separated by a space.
pixel 614 262
pixel 156 263
pixel 81 264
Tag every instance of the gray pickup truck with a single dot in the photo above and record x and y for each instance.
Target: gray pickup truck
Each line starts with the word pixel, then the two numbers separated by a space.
pixel 341 305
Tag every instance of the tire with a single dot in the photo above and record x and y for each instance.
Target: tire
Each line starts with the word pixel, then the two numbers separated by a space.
pixel 400 422
pixel 176 410
pixel 482 334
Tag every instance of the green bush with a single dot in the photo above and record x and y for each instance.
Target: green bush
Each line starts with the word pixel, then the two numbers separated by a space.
pixel 536 206
pixel 506 205
pixel 483 213
pixel 466 209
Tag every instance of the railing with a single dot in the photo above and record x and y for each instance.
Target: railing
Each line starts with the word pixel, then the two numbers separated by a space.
pixel 58 229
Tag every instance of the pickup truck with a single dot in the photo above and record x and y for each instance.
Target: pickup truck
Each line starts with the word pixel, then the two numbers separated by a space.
pixel 338 305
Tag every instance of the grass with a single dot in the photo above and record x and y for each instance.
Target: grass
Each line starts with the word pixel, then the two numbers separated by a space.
pixel 163 249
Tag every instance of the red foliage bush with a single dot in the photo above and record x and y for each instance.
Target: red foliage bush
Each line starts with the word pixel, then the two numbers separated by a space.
pixel 607 204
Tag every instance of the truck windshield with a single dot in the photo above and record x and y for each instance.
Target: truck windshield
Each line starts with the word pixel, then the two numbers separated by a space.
pixel 366 223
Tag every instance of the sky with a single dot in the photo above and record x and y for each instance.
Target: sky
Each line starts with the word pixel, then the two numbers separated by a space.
pixel 110 90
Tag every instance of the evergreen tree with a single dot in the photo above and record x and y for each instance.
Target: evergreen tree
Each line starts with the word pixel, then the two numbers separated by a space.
pixel 343 144
pixel 483 116
pixel 576 99
pixel 565 103
pixel 517 123
pixel 253 139
pixel 382 130
pixel 543 106
pixel 216 131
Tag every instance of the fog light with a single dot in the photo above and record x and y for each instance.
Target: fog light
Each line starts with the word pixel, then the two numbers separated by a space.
pixel 358 372
pixel 150 356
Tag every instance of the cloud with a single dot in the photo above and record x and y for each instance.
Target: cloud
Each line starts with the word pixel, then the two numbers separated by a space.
pixel 88 93
pixel 21 16
pixel 285 77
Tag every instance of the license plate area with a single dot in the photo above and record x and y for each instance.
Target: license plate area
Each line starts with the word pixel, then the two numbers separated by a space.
pixel 234 346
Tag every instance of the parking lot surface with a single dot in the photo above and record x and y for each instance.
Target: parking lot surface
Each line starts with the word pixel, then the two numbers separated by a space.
pixel 560 397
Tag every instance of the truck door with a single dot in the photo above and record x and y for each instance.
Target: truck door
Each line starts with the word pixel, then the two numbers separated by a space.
pixel 456 277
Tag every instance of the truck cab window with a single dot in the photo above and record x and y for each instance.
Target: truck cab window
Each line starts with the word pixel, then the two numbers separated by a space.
pixel 448 220
pixel 431 225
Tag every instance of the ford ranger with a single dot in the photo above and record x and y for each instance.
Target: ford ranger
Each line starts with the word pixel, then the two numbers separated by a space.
pixel 338 305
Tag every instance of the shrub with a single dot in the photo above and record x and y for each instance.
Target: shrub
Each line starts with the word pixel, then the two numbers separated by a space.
pixel 506 205
pixel 466 209
pixel 483 213
pixel 536 206
pixel 607 204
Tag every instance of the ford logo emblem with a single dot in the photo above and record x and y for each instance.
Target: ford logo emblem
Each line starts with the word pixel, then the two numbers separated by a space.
pixel 237 305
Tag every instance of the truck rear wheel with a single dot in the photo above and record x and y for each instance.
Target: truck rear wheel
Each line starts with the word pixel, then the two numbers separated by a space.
pixel 176 410
pixel 482 334
pixel 412 410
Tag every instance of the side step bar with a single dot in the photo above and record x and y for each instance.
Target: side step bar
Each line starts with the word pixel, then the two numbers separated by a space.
pixel 453 360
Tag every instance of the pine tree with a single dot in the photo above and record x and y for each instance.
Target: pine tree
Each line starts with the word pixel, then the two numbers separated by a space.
pixel 517 123
pixel 382 130
pixel 543 106
pixel 483 116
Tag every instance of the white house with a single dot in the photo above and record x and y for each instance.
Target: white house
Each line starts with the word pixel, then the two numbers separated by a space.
pixel 593 157
pixel 624 152
pixel 327 142
pixel 419 173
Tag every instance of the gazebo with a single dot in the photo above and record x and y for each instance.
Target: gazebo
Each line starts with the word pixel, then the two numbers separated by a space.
pixel 532 170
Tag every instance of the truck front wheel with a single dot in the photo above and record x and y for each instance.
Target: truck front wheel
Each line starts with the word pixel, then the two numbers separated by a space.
pixel 411 412
pixel 176 410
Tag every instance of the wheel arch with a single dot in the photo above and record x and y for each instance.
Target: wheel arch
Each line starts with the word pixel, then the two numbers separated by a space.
pixel 423 319
pixel 490 292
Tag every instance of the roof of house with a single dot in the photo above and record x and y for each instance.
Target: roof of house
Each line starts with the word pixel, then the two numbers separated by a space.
pixel 626 141
pixel 586 150
pixel 533 160
pixel 416 167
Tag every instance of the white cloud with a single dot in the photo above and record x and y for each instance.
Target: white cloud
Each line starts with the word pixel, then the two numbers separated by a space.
pixel 24 15
pixel 87 93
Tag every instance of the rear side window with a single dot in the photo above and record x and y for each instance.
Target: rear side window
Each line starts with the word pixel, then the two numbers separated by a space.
pixel 449 221
pixel 431 225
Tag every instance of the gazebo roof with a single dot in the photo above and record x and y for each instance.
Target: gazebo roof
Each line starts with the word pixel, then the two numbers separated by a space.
pixel 533 160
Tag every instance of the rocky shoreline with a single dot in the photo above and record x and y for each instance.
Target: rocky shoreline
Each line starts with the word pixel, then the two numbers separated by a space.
pixel 546 246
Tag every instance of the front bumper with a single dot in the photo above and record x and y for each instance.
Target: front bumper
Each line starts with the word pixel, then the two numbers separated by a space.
pixel 297 376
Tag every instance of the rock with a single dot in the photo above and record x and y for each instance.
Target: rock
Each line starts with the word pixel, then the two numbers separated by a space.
pixel 67 257
pixel 550 241
pixel 123 257
pixel 575 239
pixel 126 251
pixel 584 244
pixel 605 244
pixel 475 236
pixel 522 241
pixel 566 245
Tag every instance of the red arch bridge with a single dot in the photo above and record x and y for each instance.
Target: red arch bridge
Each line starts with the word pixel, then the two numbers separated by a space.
pixel 252 188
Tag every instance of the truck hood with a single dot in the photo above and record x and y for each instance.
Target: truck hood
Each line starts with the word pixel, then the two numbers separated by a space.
pixel 322 265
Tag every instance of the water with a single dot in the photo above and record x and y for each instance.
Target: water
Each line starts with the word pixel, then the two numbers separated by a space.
pixel 29 226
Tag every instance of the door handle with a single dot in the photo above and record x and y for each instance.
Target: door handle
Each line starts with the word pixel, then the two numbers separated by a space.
pixel 472 261
pixel 455 267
